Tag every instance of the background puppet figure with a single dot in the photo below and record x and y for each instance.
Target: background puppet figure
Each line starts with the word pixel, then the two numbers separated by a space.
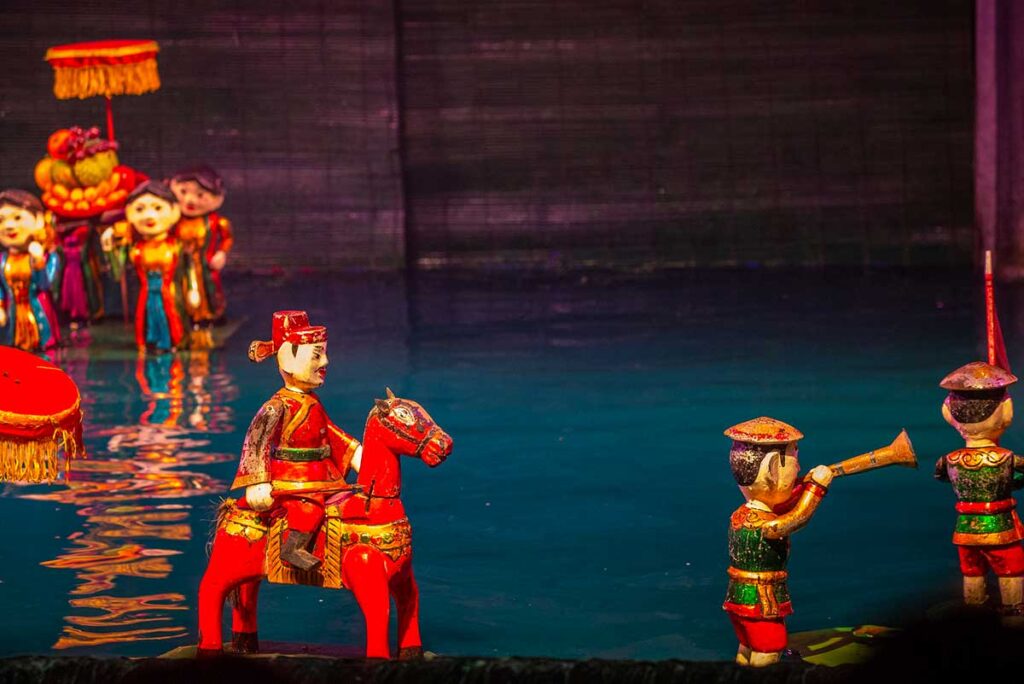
pixel 152 211
pixel 764 463
pixel 27 318
pixel 988 532
pixel 79 266
pixel 293 454
pixel 206 239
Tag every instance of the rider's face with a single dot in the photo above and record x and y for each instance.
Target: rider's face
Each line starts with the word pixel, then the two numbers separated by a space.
pixel 306 368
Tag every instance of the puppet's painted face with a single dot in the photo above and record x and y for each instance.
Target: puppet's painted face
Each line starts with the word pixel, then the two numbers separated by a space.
pixel 306 368
pixel 152 216
pixel 195 200
pixel 18 226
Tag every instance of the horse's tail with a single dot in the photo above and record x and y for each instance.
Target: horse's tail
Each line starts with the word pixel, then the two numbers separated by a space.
pixel 224 507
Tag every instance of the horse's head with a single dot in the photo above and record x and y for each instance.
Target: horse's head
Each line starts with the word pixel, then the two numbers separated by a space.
pixel 408 430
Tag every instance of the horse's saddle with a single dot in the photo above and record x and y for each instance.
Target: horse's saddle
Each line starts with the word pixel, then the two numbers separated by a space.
pixel 393 539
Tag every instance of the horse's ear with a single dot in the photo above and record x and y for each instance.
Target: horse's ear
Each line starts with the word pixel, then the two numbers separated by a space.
pixel 382 405
pixel 391 395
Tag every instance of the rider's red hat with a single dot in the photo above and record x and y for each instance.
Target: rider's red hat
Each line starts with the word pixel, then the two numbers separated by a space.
pixel 287 326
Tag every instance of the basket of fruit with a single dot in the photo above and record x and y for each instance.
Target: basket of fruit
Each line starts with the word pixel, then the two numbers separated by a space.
pixel 81 175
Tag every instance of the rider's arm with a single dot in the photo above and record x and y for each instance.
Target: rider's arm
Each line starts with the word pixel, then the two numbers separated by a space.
pixel 258 445
pixel 345 449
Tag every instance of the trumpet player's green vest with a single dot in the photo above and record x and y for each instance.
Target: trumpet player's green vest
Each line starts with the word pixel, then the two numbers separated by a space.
pixel 757 572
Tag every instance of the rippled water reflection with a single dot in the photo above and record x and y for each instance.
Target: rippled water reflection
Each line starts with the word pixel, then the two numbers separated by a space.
pixel 133 493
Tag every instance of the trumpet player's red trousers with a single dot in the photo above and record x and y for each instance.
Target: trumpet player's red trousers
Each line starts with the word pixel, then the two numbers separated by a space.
pixel 1006 560
pixel 765 635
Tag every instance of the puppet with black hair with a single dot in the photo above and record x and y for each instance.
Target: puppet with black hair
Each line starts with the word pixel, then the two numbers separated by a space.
pixel 764 464
pixel 988 532
pixel 27 270
pixel 152 211
pixel 206 240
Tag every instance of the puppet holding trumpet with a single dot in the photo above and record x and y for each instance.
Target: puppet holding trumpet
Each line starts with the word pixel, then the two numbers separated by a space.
pixel 764 464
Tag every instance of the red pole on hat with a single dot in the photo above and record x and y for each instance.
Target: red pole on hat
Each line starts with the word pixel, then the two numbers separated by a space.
pixel 994 334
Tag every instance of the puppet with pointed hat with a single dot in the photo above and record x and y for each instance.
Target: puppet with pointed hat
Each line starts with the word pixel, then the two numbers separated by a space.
pixel 764 464
pixel 293 456
pixel 988 532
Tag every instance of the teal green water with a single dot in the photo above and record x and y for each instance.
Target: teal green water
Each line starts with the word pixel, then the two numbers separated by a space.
pixel 583 511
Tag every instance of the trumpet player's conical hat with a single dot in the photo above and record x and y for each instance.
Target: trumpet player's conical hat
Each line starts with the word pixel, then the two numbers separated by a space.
pixel 977 376
pixel 764 430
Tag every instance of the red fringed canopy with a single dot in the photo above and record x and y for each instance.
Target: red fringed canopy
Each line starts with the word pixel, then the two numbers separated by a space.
pixel 104 68
pixel 40 414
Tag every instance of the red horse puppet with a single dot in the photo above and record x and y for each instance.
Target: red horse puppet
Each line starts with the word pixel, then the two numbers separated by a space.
pixel 300 523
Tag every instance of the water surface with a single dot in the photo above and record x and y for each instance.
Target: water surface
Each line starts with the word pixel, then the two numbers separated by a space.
pixel 583 512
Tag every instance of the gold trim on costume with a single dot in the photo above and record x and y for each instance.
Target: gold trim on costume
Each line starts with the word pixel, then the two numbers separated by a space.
pixel 249 480
pixel 975 459
pixel 295 421
pixel 990 539
pixel 29 421
pixel 303 486
pixel 757 576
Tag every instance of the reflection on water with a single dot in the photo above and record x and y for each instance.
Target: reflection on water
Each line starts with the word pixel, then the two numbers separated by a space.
pixel 128 493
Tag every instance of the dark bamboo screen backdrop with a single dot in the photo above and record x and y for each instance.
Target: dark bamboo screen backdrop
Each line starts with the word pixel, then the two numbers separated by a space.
pixel 293 102
pixel 371 133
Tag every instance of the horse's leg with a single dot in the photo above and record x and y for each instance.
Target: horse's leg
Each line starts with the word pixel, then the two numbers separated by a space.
pixel 244 637
pixel 407 601
pixel 232 561
pixel 364 573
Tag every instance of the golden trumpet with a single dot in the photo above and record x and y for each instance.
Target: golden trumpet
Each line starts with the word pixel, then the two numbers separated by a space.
pixel 900 452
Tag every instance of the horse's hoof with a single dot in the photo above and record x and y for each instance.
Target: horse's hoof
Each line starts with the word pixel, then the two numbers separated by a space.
pixel 204 653
pixel 410 653
pixel 245 642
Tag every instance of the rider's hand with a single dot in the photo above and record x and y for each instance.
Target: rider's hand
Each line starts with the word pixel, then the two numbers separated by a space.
pixel 193 298
pixel 35 250
pixel 822 475
pixel 218 260
pixel 3 316
pixel 259 496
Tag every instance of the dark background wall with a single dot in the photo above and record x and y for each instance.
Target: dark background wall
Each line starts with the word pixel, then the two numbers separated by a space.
pixel 293 102
pixel 551 132
pixel 690 132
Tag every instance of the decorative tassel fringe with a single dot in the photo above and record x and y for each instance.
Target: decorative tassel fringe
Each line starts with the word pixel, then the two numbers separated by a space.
pixel 106 80
pixel 37 461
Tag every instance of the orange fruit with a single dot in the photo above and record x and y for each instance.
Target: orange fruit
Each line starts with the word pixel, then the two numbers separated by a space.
pixel 59 190
pixel 82 205
pixel 76 194
pixel 42 173
pixel 68 206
